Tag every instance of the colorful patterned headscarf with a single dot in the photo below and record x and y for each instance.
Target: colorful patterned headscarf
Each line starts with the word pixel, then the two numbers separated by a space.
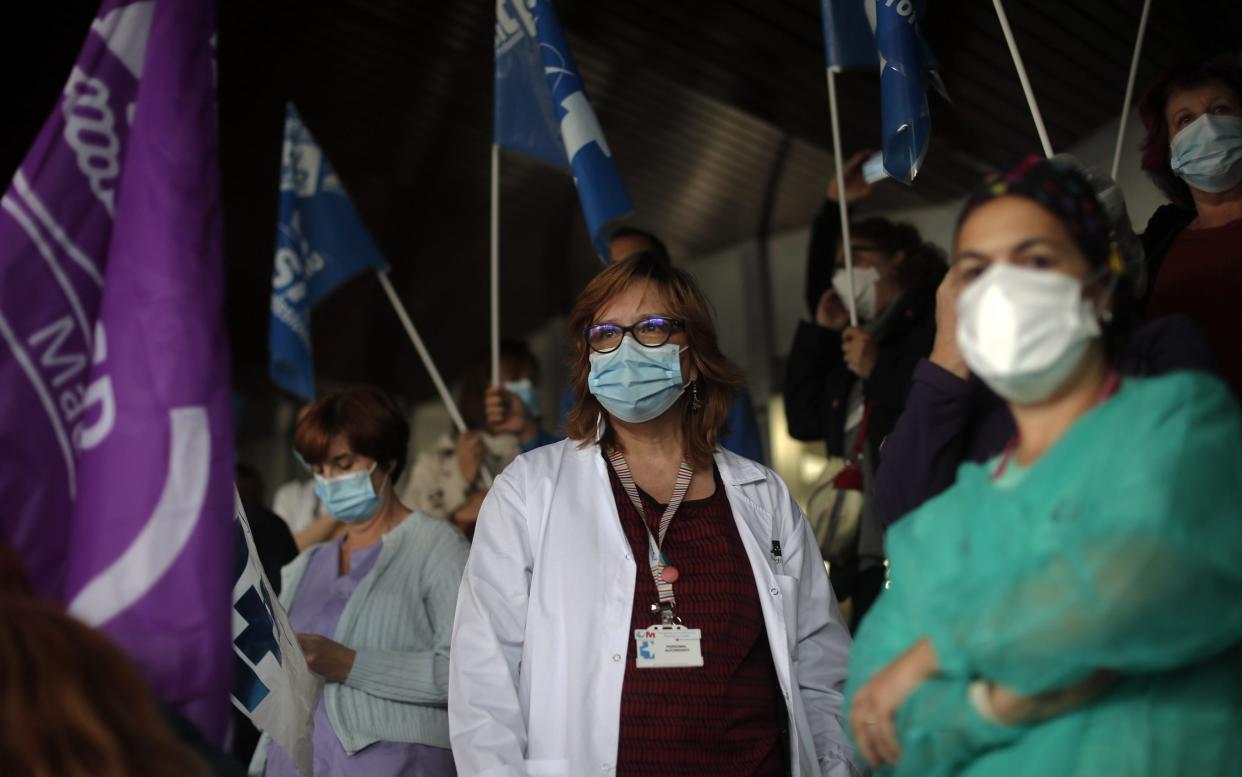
pixel 1063 192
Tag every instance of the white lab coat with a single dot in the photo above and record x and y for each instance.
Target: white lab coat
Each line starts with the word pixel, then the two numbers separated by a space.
pixel 543 621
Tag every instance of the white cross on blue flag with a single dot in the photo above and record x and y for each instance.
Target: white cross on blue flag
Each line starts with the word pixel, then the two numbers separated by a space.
pixel 541 109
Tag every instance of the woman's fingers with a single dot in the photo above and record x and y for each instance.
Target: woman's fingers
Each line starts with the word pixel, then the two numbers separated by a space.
pixel 862 735
pixel 864 721
pixel 869 742
pixel 874 729
pixel 885 733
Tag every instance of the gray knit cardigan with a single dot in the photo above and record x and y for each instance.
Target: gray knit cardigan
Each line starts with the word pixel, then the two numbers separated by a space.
pixel 399 620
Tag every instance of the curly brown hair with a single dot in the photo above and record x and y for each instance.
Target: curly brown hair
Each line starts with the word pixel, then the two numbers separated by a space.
pixel 73 705
pixel 718 379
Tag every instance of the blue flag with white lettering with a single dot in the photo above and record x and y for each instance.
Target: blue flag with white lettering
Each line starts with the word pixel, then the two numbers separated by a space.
pixel 321 242
pixel 905 62
pixel 849 33
pixel 541 109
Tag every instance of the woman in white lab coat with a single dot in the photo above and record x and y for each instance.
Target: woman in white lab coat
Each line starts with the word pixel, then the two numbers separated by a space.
pixel 638 600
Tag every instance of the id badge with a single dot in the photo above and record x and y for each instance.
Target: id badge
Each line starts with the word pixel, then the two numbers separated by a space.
pixel 665 647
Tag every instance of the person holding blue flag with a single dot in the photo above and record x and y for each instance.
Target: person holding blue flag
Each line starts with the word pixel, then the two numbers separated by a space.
pixel 847 385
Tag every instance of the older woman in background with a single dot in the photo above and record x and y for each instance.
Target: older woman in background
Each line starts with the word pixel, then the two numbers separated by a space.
pixel 1193 152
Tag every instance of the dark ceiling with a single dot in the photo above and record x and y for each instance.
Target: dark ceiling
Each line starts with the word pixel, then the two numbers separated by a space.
pixel 709 108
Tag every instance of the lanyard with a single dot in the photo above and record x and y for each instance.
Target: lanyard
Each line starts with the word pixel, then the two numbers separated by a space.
pixel 1112 381
pixel 664 587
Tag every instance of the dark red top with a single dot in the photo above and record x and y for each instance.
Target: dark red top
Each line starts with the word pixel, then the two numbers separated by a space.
pixel 1201 278
pixel 722 719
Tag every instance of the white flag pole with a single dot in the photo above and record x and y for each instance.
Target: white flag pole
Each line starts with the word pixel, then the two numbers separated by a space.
pixel 495 264
pixel 1125 106
pixel 1026 83
pixel 423 354
pixel 841 199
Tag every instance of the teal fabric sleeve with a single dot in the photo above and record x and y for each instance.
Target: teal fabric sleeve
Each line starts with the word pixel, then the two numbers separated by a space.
pixel 1143 577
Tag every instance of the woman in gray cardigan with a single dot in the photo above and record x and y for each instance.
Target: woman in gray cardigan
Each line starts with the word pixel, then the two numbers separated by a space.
pixel 373 609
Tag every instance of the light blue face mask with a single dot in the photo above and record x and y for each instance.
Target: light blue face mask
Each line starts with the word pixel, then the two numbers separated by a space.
pixel 351 497
pixel 1207 154
pixel 524 390
pixel 635 383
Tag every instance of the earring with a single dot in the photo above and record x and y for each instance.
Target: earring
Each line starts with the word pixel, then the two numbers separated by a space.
pixel 695 404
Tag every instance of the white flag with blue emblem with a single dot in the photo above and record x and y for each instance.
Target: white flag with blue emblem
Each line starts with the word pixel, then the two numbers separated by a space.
pixel 272 685
pixel 541 109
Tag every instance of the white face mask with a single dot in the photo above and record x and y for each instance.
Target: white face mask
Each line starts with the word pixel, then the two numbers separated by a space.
pixel 865 279
pixel 1023 331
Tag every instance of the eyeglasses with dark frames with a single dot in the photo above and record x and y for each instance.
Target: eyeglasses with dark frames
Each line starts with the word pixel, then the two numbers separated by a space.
pixel 651 332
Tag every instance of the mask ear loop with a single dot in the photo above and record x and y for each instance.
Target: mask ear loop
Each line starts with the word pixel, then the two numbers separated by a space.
pixel 689 383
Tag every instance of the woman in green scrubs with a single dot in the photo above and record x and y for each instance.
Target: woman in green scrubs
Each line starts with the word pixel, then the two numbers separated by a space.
pixel 1071 607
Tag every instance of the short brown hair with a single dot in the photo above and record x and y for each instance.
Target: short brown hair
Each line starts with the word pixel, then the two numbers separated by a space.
pixel 718 379
pixel 371 420
pixel 73 704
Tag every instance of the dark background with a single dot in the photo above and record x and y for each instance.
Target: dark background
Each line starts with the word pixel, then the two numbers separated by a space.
pixel 716 113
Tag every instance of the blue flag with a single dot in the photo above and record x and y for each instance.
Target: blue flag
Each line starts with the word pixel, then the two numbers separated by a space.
pixel 320 243
pixel 541 109
pixel 905 61
pixel 849 33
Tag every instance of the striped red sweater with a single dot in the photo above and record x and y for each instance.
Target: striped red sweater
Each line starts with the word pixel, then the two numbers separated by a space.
pixel 723 719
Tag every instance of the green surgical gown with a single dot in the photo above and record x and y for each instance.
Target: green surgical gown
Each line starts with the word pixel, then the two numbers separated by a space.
pixel 1120 548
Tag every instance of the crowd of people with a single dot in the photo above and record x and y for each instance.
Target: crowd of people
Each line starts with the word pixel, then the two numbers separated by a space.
pixel 1034 515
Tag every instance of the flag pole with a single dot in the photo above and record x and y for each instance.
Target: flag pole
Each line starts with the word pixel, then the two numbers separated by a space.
pixel 447 398
pixel 495 264
pixel 1026 83
pixel 1125 106
pixel 841 199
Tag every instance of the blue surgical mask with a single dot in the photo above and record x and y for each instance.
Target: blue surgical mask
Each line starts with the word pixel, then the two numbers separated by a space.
pixel 635 383
pixel 524 390
pixel 351 497
pixel 1207 154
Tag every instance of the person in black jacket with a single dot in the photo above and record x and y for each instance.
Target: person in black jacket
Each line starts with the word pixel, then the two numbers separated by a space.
pixel 1193 153
pixel 847 385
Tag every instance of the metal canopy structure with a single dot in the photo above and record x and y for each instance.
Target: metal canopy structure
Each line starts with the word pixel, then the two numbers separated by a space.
pixel 709 108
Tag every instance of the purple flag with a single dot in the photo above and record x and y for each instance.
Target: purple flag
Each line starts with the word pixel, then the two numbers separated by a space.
pixel 116 457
